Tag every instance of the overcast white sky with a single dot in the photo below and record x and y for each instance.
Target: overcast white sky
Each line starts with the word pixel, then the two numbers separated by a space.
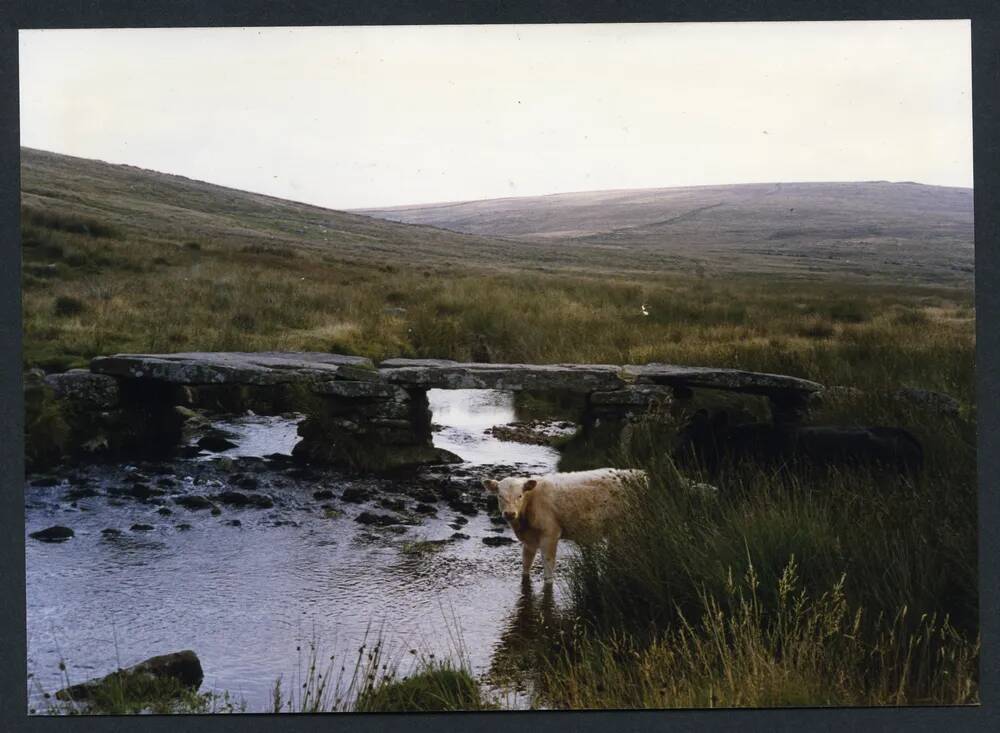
pixel 353 117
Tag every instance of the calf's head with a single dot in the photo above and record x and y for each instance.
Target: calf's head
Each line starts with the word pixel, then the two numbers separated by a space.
pixel 510 495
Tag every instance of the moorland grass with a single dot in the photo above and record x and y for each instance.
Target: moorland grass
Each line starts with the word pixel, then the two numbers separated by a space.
pixel 87 295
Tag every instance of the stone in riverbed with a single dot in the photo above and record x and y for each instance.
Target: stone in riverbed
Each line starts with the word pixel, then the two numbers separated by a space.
pixel 237 498
pixel 142 492
pixel 80 493
pixel 322 494
pixel 497 541
pixel 111 532
pixel 463 507
pixel 355 495
pixel 193 502
pixel 139 527
pixel 424 496
pixel 183 666
pixel 248 482
pixel 215 441
pixel 57 533
pixel 425 509
pixel 459 536
pixel 164 511
pixel 379 520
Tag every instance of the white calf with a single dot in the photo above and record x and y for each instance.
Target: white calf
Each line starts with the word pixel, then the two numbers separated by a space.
pixel 574 506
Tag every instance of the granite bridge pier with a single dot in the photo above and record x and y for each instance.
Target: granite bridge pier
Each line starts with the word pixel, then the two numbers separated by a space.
pixel 357 414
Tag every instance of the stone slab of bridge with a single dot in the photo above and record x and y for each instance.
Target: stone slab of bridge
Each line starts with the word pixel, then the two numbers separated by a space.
pixel 365 416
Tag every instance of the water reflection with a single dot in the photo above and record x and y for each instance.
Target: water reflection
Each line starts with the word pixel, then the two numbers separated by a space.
pixel 464 416
pixel 533 632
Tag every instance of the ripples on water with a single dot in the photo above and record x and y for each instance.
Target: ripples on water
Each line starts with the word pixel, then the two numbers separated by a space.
pixel 245 597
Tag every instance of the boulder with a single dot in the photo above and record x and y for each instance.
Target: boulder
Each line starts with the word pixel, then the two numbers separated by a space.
pixel 183 666
pixel 96 391
pixel 463 507
pixel 193 502
pixel 215 441
pixel 238 498
pixel 82 492
pixel 56 533
pixel 498 541
pixel 926 399
pixel 354 495
pixel 379 520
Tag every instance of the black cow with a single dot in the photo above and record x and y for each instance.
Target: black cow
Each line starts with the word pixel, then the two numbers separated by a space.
pixel 714 441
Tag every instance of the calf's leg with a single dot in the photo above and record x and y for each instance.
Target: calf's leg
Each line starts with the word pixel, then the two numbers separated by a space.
pixel 549 556
pixel 527 557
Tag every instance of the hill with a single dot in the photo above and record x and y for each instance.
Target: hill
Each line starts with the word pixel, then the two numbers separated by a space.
pixel 147 203
pixel 869 228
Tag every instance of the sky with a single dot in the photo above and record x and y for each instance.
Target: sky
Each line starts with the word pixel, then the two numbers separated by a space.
pixel 353 117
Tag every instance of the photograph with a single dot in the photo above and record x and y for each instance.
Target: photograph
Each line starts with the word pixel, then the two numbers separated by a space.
pixel 499 367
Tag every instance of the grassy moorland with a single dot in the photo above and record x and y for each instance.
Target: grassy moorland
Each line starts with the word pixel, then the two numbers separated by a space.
pixel 840 588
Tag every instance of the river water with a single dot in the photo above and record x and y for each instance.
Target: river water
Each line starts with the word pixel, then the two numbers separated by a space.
pixel 250 595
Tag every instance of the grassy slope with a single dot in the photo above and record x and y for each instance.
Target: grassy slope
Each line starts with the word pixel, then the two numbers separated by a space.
pixel 905 229
pixel 169 208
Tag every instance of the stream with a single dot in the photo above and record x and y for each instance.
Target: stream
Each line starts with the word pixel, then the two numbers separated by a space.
pixel 250 588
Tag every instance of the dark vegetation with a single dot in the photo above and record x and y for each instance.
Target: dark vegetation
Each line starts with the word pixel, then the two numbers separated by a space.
pixel 838 585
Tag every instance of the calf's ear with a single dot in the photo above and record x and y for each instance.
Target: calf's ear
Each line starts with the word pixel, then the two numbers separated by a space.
pixel 529 484
pixel 491 485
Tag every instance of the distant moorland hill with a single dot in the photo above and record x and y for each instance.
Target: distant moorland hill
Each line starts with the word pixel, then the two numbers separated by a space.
pixel 868 227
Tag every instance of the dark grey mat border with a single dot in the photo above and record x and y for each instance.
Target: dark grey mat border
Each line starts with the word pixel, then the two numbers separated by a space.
pixel 152 13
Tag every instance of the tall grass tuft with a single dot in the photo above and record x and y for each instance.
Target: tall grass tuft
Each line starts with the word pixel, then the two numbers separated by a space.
pixel 744 650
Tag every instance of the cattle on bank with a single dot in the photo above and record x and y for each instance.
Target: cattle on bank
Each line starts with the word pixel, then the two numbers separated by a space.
pixel 578 506
pixel 714 441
